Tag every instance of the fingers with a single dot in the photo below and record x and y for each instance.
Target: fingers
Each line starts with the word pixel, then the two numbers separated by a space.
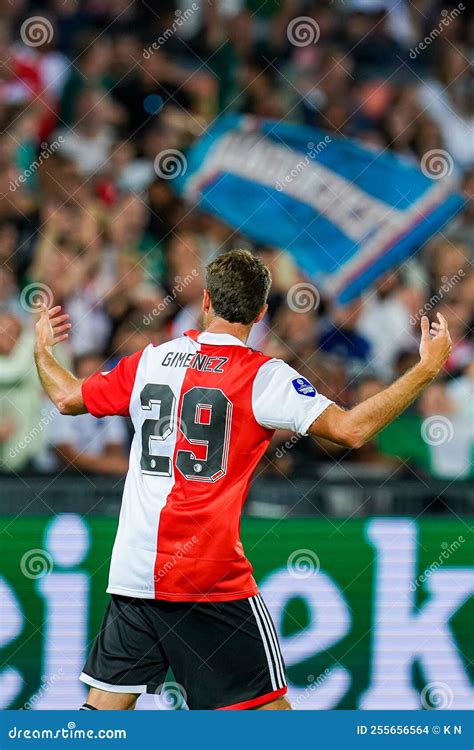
pixel 443 323
pixel 56 319
pixel 53 316
pixel 43 312
pixel 61 329
pixel 440 326
pixel 61 319
pixel 43 308
pixel 425 327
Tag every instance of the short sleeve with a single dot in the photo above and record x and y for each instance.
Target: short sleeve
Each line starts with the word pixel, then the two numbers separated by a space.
pixel 283 399
pixel 109 393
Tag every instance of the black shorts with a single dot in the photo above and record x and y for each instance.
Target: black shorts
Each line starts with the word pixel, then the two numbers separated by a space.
pixel 223 655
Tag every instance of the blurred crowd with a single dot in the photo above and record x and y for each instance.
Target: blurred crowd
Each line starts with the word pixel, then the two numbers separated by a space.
pixel 91 92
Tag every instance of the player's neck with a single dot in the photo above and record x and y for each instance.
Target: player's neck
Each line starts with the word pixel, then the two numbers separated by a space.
pixel 219 325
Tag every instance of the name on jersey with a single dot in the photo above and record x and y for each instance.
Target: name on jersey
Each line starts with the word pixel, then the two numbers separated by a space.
pixel 195 361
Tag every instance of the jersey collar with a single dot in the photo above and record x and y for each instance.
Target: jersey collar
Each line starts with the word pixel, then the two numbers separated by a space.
pixel 219 339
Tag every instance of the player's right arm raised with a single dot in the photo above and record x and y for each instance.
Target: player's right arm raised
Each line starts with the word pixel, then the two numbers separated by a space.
pixel 62 387
pixel 354 427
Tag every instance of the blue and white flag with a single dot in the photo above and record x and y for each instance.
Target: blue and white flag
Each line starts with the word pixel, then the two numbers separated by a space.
pixel 347 214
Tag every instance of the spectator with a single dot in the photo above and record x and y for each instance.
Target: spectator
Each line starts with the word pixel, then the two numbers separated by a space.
pixel 100 230
pixel 342 338
pixel 88 144
pixel 86 444
pixel 20 396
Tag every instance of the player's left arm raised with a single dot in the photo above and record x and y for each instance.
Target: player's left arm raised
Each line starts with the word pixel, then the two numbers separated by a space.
pixel 354 427
pixel 64 390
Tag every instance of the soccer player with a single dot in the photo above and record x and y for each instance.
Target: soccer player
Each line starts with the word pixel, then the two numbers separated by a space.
pixel 204 408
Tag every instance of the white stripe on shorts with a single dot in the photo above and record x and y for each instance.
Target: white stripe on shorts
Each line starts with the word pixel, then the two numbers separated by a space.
pixel 272 640
pixel 264 641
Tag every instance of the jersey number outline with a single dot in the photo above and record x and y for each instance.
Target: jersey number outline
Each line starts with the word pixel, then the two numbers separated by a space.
pixel 205 419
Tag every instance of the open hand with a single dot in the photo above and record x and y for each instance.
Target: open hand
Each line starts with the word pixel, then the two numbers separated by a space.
pixel 435 346
pixel 51 327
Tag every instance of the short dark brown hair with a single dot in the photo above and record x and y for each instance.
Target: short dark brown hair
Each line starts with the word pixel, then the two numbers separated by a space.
pixel 238 284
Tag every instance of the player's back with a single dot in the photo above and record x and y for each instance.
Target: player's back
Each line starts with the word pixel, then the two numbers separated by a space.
pixel 203 407
pixel 197 444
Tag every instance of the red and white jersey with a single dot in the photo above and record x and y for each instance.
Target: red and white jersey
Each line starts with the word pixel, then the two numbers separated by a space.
pixel 204 408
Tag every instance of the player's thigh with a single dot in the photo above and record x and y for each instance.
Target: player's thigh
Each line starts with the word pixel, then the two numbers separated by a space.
pixel 105 701
pixel 224 655
pixel 126 657
pixel 280 704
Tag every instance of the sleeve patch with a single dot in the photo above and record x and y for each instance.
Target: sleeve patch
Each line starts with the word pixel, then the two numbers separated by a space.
pixel 303 387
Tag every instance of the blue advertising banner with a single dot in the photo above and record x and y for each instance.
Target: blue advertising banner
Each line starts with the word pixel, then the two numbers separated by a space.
pixel 346 213
pixel 234 730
